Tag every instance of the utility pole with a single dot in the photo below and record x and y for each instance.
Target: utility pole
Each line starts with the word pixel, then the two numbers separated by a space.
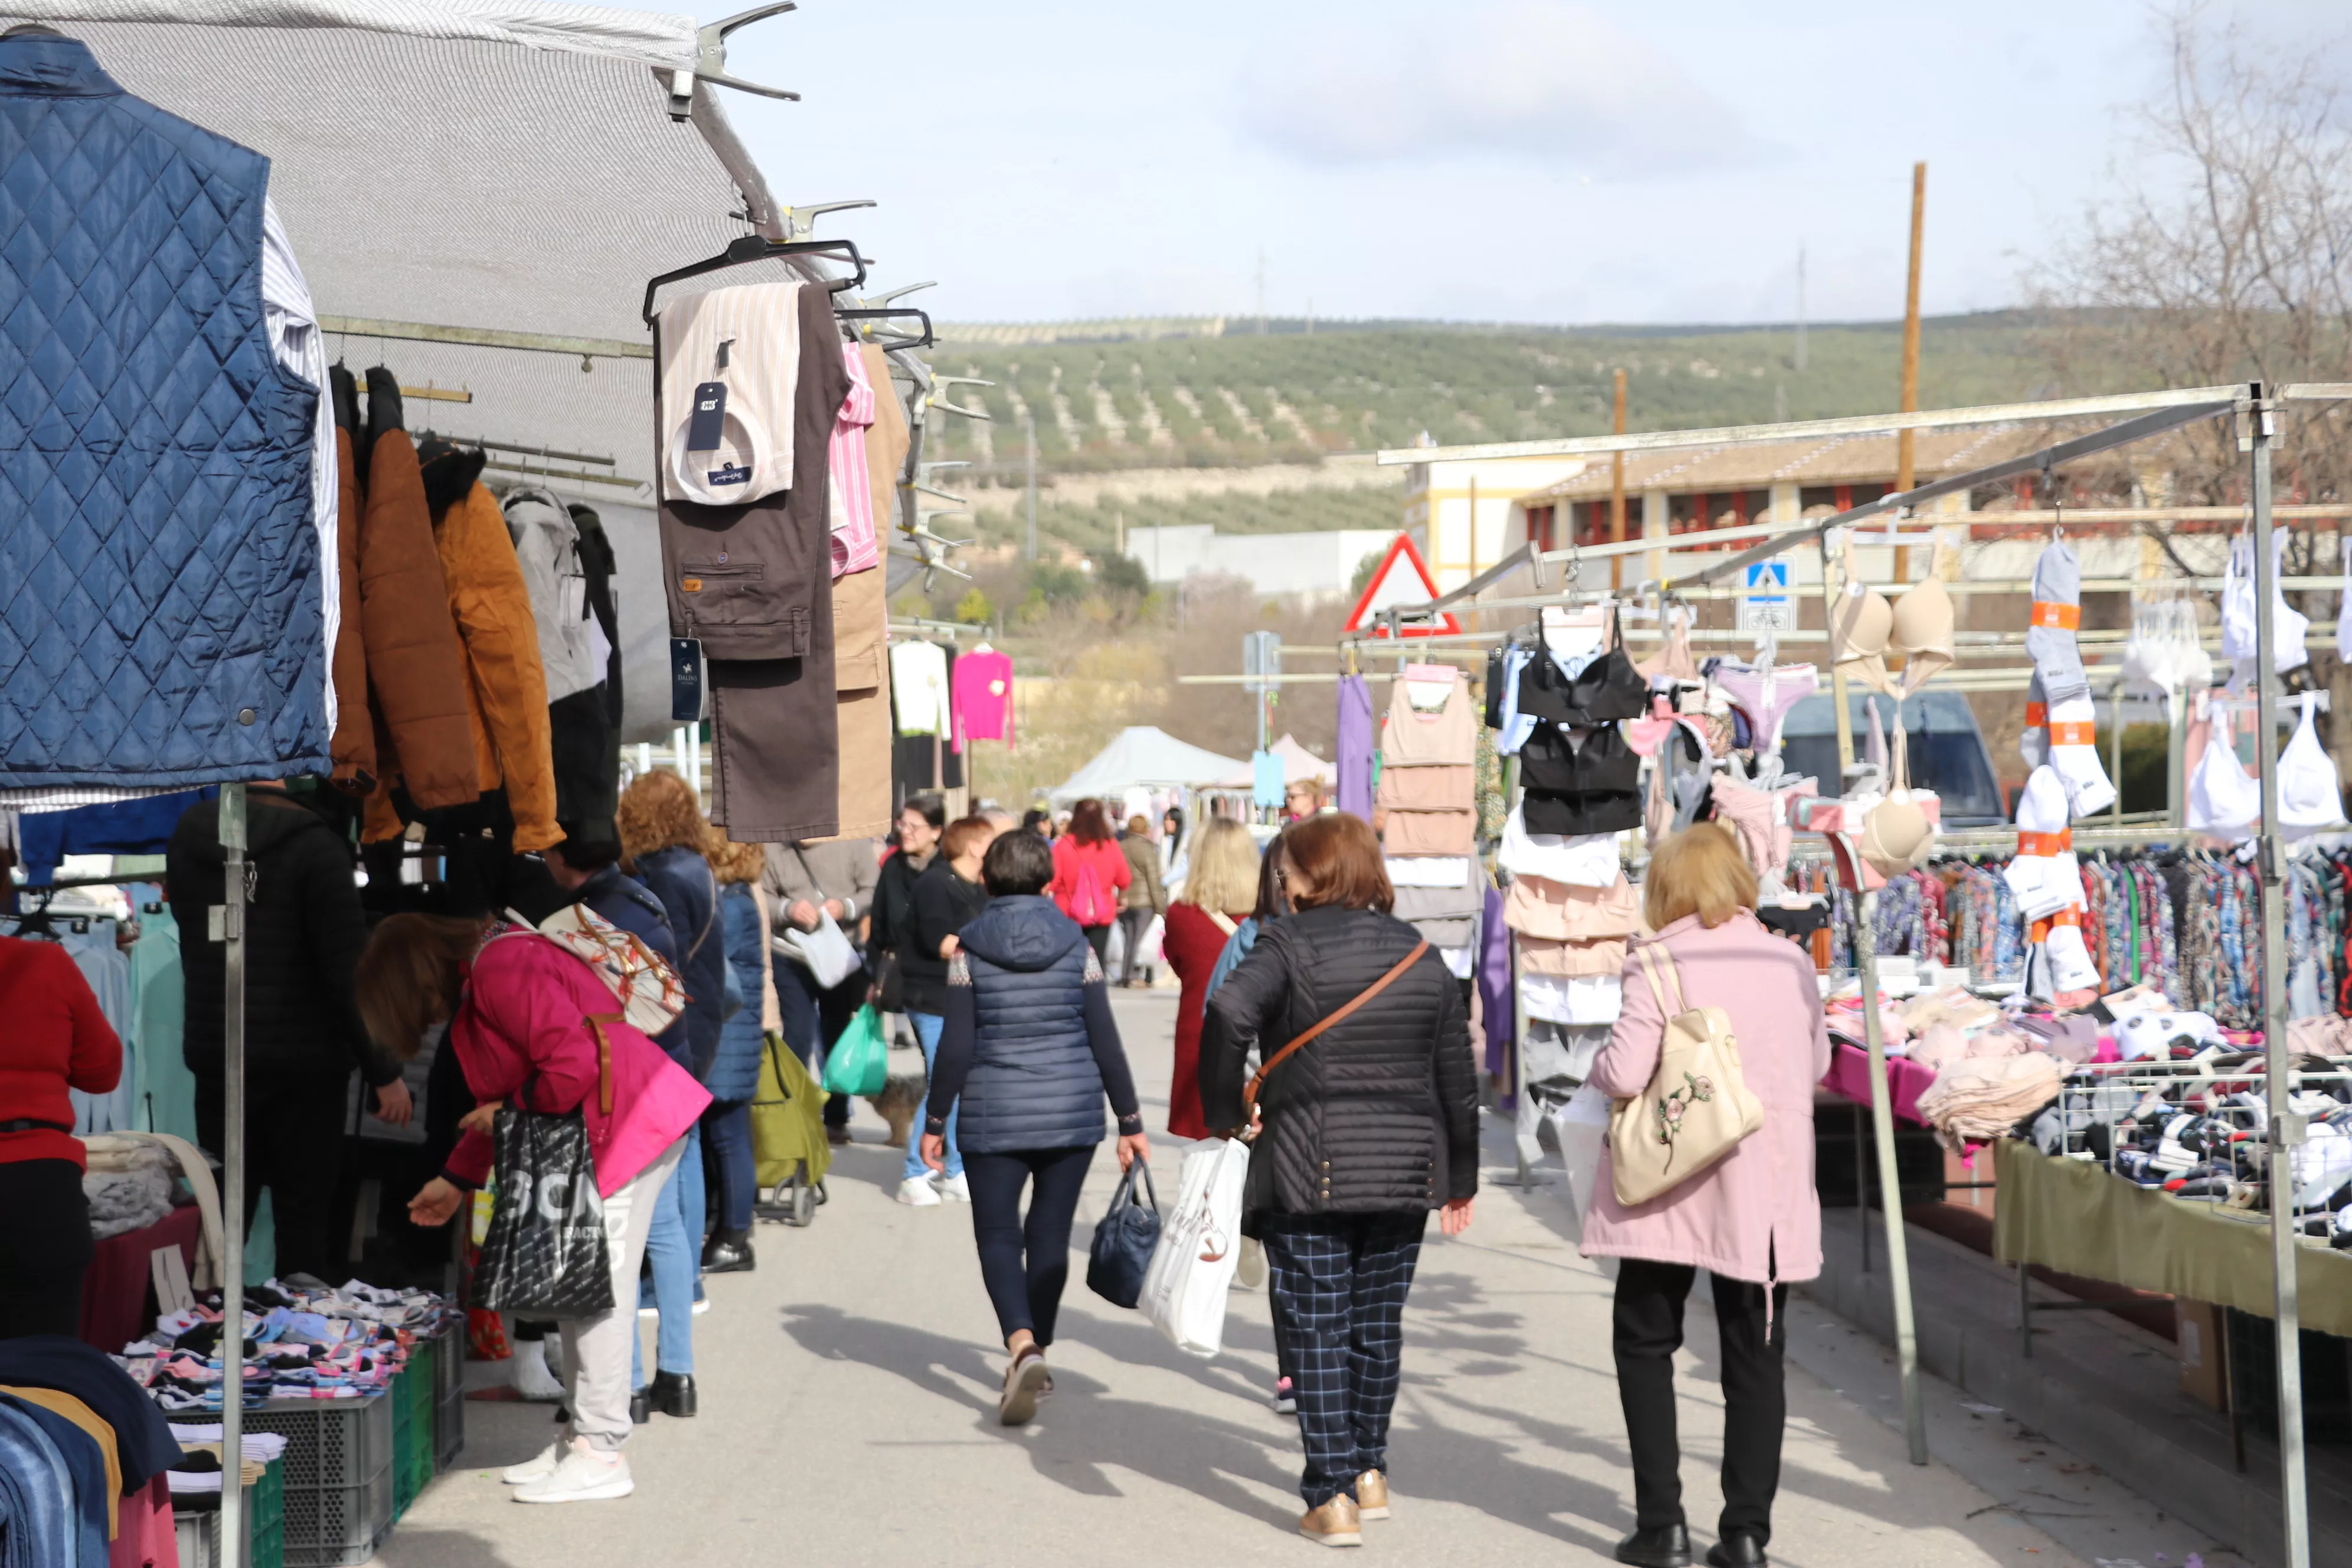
pixel 1800 309
pixel 1616 488
pixel 1029 423
pixel 1906 443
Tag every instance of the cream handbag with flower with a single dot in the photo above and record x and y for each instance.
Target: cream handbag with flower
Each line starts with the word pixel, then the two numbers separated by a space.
pixel 1697 1107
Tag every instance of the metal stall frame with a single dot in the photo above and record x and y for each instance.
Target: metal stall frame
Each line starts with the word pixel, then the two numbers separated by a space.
pixel 2254 409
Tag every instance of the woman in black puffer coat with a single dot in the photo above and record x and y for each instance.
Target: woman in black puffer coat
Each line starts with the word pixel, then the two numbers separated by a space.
pixel 1366 1128
pixel 1029 1047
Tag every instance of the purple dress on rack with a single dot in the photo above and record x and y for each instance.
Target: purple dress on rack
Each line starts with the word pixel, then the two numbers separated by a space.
pixel 1355 747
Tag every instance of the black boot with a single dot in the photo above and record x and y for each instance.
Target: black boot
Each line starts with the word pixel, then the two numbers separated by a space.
pixel 1665 1547
pixel 672 1394
pixel 729 1252
pixel 641 1409
pixel 1737 1549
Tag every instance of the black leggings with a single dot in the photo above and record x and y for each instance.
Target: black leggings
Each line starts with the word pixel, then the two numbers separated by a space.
pixel 1648 1332
pixel 1098 938
pixel 1025 1264
pixel 45 1247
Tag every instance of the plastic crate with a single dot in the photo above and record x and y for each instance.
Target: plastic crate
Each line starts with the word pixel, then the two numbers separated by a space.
pixel 449 1396
pixel 199 1534
pixel 337 1477
pixel 414 1449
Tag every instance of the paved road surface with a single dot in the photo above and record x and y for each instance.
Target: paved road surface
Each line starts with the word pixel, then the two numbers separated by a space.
pixel 848 1417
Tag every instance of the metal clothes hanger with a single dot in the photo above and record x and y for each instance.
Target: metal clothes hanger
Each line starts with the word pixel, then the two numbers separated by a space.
pixel 754 248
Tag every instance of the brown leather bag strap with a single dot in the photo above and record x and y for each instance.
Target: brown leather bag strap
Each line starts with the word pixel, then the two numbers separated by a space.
pixel 1375 989
pixel 596 1022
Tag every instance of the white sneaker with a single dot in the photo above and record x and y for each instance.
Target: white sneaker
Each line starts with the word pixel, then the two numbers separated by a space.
pixel 531 1470
pixel 955 1189
pixel 533 1378
pixel 916 1193
pixel 584 1476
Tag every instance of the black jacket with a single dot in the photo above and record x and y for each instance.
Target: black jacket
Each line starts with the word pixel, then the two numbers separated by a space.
pixel 303 932
pixel 1377 1114
pixel 941 905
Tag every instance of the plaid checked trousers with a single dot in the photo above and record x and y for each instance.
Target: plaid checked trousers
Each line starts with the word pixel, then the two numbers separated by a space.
pixel 1339 1283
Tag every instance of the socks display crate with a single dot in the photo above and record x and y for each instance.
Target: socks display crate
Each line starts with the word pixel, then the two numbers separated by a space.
pixel 448 1397
pixel 337 1477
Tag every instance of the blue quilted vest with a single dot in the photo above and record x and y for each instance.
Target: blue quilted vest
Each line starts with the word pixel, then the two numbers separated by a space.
pixel 1034 1082
pixel 160 614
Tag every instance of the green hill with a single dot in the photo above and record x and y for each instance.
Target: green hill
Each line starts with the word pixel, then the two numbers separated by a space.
pixel 1289 394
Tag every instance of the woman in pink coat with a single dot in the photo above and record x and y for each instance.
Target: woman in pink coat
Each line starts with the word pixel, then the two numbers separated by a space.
pixel 1753 1221
pixel 1090 872
pixel 517 1008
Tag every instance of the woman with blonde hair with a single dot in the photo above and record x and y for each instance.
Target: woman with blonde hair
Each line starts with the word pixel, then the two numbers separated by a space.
pixel 1220 892
pixel 663 836
pixel 734 1077
pixel 1752 1220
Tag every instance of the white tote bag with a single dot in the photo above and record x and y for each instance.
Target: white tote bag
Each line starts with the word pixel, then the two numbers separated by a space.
pixel 825 953
pixel 1582 1128
pixel 1200 1246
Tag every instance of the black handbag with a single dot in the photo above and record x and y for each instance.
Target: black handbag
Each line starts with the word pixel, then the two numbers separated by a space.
pixel 545 1255
pixel 1124 1241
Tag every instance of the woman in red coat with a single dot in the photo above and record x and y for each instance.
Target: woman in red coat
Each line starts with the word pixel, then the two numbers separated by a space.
pixel 1090 871
pixel 56 1041
pixel 1219 893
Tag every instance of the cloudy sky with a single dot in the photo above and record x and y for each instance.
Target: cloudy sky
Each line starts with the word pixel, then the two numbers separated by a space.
pixel 1576 160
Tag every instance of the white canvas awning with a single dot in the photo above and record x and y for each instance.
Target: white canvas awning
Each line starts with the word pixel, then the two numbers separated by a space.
pixel 493 166
pixel 1297 763
pixel 1146 757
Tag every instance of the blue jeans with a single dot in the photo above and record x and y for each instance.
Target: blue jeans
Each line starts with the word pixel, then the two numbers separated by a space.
pixel 927 1030
pixel 675 1245
pixel 726 1134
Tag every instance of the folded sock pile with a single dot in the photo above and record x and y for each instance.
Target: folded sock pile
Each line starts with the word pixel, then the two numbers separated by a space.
pixel 301 1341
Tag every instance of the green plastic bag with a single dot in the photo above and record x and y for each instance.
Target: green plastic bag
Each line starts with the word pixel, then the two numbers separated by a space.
pixel 859 1062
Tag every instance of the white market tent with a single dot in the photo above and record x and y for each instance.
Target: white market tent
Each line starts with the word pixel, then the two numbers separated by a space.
pixel 1144 757
pixel 1297 763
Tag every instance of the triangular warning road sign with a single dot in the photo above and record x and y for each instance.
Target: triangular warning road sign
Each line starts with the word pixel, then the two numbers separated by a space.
pixel 1402 579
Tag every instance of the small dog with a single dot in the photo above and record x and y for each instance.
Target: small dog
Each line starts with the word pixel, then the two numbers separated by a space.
pixel 900 1103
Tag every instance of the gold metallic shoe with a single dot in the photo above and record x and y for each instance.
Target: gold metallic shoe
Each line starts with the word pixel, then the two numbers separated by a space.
pixel 1372 1495
pixel 1336 1523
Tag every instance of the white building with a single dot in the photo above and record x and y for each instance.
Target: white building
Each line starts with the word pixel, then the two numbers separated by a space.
pixel 1311 565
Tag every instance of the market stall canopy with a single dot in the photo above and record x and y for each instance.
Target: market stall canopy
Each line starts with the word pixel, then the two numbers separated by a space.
pixel 1147 757
pixel 1297 763
pixel 493 166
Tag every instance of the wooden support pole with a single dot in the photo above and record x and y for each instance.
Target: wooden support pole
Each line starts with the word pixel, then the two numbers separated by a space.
pixel 1906 443
pixel 1617 486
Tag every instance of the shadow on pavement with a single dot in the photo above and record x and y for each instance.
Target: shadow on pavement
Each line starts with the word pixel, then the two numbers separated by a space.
pixel 439 1549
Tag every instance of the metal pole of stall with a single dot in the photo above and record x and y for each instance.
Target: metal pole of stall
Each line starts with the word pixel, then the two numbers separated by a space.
pixel 1890 1183
pixel 2285 1128
pixel 230 916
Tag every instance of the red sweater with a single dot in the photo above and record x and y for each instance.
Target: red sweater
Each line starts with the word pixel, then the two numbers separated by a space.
pixel 55 1039
pixel 1111 872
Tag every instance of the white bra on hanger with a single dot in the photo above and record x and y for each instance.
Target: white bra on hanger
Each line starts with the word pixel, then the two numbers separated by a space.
pixel 2224 799
pixel 2309 795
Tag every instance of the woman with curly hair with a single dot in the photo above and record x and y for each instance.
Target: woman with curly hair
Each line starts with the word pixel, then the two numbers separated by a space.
pixel 663 835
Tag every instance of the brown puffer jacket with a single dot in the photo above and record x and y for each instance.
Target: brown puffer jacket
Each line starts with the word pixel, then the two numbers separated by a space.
pixel 416 668
pixel 353 748
pixel 506 686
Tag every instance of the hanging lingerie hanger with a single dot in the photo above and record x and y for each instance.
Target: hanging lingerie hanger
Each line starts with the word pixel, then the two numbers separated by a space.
pixel 754 248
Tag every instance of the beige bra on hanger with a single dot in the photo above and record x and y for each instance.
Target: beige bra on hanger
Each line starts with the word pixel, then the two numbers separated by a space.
pixel 1921 627
pixel 1673 660
pixel 1860 623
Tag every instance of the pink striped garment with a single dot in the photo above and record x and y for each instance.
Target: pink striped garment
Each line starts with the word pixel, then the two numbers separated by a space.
pixel 856 547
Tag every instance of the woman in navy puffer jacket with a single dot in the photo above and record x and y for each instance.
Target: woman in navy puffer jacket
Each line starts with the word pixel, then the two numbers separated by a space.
pixel 734 1078
pixel 1029 1046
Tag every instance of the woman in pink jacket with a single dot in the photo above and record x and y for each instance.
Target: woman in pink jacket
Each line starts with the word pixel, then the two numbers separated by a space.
pixel 1753 1221
pixel 1090 871
pixel 517 1008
